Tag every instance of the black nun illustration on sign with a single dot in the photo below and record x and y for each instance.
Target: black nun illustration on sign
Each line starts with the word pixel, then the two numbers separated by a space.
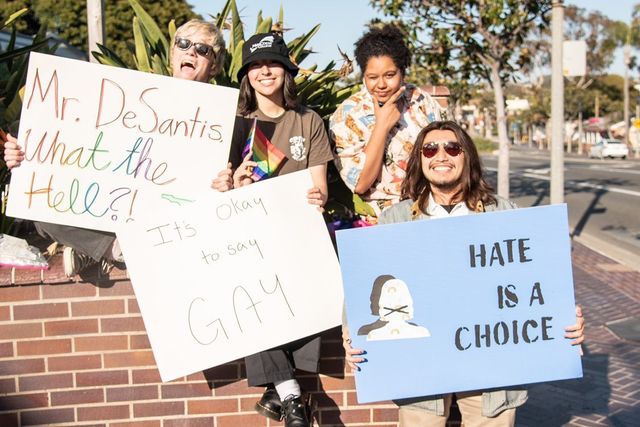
pixel 391 301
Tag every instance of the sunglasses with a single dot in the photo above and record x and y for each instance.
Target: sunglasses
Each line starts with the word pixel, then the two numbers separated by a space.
pixel 452 148
pixel 201 48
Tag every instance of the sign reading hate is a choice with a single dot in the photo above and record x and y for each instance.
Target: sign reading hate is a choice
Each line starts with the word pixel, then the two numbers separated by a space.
pixel 458 304
pixel 242 271
pixel 102 143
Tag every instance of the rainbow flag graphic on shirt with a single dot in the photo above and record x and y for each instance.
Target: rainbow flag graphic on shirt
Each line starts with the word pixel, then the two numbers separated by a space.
pixel 268 157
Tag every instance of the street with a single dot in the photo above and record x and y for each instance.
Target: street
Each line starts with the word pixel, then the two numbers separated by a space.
pixel 603 197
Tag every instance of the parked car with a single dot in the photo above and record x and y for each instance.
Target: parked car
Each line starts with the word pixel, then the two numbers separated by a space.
pixel 609 148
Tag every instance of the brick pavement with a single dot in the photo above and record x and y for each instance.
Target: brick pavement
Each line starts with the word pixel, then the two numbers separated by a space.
pixel 608 395
pixel 609 392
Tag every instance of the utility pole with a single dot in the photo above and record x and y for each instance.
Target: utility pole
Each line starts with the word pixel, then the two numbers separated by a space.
pixel 580 131
pixel 627 61
pixel 95 25
pixel 636 144
pixel 557 104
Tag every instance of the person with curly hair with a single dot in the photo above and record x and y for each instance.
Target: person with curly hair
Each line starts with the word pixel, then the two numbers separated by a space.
pixel 374 130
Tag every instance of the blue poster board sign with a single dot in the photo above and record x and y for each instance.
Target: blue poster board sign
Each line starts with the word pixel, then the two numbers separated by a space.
pixel 462 303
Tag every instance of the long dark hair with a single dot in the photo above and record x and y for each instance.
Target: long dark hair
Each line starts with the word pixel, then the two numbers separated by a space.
pixel 247 102
pixel 474 187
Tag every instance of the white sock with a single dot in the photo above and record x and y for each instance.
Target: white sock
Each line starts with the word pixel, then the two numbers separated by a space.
pixel 287 388
pixel 115 252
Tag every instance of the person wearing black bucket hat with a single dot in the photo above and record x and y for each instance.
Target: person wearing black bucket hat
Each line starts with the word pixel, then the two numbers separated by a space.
pixel 268 94
pixel 270 47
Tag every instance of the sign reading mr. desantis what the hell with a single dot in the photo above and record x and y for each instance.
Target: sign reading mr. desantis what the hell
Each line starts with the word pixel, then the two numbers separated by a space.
pixel 102 141
pixel 462 303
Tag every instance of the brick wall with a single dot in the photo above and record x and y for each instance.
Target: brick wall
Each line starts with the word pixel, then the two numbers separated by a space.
pixel 76 353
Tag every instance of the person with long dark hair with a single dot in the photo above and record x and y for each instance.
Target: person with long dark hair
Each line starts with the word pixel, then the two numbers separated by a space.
pixel 458 178
pixel 445 178
pixel 268 94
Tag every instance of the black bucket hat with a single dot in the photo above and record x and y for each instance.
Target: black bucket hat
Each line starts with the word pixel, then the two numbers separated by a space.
pixel 269 46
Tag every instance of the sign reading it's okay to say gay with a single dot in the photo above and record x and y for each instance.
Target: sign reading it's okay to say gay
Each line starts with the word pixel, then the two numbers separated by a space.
pixel 102 142
pixel 242 271
pixel 462 303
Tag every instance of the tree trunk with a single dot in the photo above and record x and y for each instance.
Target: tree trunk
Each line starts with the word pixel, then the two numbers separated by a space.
pixel 487 124
pixel 501 122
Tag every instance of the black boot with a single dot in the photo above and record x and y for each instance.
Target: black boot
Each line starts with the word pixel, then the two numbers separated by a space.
pixel 269 404
pixel 295 412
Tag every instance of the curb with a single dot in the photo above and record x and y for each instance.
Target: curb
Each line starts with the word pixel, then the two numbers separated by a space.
pixel 609 250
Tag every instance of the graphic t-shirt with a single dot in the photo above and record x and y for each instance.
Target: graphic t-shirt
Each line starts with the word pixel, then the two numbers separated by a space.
pixel 298 133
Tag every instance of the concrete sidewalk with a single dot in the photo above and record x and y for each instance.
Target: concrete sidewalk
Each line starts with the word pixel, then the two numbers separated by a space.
pixel 609 392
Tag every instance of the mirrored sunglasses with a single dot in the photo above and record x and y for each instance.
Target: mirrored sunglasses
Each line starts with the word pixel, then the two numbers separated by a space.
pixel 201 48
pixel 452 148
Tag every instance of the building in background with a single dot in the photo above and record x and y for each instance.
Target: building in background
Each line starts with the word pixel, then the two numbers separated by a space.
pixel 64 48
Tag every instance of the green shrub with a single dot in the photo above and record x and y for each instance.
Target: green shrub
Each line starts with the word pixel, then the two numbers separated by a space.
pixel 320 90
pixel 485 145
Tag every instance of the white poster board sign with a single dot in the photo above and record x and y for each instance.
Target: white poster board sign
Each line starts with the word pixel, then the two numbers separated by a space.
pixel 102 141
pixel 233 274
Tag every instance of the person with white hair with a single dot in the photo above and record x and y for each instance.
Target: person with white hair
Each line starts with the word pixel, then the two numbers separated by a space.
pixel 197 54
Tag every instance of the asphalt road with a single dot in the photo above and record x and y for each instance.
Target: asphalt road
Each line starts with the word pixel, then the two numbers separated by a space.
pixel 603 197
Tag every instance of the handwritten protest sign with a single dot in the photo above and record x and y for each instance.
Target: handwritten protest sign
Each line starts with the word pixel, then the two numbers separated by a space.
pixel 233 274
pixel 100 141
pixel 462 303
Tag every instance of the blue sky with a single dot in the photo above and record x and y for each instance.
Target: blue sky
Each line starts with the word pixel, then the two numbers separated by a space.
pixel 620 10
pixel 342 21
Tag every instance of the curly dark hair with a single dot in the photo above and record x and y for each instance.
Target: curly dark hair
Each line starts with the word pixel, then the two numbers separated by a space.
pixel 384 41
pixel 474 187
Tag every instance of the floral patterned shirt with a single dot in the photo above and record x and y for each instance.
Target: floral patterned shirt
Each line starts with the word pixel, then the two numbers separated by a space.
pixel 350 128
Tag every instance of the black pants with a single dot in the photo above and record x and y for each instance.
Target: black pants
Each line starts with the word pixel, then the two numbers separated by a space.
pixel 280 363
pixel 90 242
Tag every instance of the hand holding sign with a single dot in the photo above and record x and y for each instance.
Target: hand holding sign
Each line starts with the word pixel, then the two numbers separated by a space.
pixel 353 356
pixel 13 154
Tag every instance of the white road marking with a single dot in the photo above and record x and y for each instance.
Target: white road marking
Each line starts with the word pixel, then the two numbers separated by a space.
pixel 542 171
pixel 573 183
pixel 609 169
